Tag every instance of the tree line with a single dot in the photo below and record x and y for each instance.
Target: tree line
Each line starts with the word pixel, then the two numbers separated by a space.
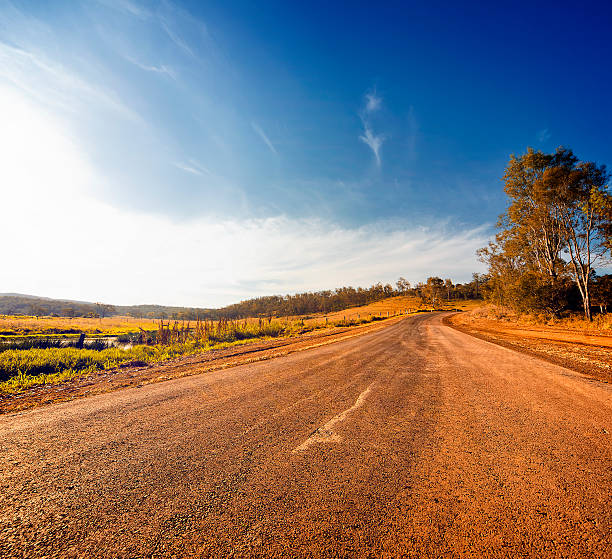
pixel 553 237
pixel 433 292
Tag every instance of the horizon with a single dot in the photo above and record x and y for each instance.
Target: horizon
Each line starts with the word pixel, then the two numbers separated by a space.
pixel 287 294
pixel 198 156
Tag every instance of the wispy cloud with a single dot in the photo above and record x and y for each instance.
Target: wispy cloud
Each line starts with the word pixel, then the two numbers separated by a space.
pixel 192 167
pixel 544 135
pixel 185 30
pixel 54 84
pixel 171 19
pixel 188 169
pixel 176 38
pixel 373 103
pixel 161 69
pixel 263 136
pixel 50 174
pixel 127 7
pixel 374 141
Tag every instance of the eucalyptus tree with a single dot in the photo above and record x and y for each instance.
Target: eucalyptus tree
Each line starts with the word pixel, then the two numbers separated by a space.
pixel 556 226
pixel 576 193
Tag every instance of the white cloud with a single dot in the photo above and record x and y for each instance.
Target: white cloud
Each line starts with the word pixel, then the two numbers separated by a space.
pixel 373 102
pixel 263 136
pixel 192 167
pixel 372 140
pixel 128 7
pixel 161 69
pixel 52 84
pixel 543 135
pixel 176 38
pixel 65 243
pixel 183 29
pixel 188 169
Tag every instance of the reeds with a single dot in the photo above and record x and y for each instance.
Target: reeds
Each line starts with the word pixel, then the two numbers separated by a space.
pixel 31 366
pixel 48 343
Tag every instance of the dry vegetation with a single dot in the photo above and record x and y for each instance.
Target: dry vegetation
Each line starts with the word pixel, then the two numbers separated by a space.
pixel 161 340
pixel 48 325
pixel 117 325
pixel 394 305
pixel 21 369
pixel 601 325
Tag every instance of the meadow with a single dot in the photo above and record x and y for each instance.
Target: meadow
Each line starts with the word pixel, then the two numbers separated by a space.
pixel 21 369
pixel 400 304
pixel 91 327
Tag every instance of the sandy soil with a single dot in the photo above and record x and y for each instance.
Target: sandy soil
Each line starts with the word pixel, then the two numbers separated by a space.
pixel 416 440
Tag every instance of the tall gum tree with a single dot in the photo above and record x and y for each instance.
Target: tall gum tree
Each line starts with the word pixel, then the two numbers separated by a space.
pixel 529 224
pixel 576 193
pixel 557 221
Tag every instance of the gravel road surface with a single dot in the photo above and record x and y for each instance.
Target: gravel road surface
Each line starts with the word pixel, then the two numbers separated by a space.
pixel 413 441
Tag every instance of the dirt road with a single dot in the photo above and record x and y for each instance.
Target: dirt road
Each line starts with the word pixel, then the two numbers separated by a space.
pixel 416 440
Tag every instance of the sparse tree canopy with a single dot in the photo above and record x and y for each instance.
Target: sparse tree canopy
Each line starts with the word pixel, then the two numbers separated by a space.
pixel 556 228
pixel 403 286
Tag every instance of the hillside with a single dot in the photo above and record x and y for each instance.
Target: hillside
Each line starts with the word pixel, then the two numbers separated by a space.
pixel 31 305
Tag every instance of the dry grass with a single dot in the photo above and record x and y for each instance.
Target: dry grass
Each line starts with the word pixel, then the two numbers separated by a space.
pixel 21 369
pixel 393 305
pixel 601 324
pixel 30 325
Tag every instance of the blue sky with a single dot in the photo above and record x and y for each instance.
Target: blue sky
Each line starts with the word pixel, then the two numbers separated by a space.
pixel 280 146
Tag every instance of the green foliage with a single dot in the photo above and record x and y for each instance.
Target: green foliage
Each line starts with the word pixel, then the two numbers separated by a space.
pixel 555 231
pixel 23 368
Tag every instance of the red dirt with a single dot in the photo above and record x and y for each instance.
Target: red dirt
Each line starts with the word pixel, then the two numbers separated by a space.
pixel 412 441
pixel 589 354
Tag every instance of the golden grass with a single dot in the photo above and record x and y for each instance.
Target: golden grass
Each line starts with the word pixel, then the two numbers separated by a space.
pixel 22 369
pixel 576 322
pixel 393 305
pixel 46 325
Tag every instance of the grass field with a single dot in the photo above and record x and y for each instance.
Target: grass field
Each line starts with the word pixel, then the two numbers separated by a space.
pixel 393 305
pixel 48 325
pixel 601 323
pixel 21 369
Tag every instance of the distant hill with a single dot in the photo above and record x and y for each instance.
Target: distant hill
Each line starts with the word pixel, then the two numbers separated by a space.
pixel 18 303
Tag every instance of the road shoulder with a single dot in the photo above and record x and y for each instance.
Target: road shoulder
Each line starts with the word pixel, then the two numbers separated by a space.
pixel 593 359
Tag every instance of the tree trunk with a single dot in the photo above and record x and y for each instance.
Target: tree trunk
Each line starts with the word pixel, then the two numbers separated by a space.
pixel 587 302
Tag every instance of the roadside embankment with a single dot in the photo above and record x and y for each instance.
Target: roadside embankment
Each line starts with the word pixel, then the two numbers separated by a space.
pixel 586 351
